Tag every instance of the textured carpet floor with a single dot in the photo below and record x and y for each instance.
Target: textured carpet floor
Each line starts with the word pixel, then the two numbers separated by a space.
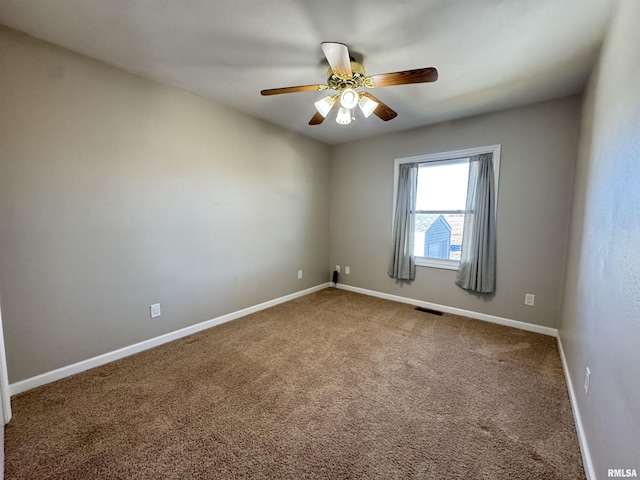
pixel 333 385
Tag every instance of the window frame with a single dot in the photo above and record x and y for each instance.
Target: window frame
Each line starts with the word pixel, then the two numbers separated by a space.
pixel 444 157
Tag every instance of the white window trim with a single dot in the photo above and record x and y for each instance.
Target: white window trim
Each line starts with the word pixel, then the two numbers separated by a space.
pixel 438 157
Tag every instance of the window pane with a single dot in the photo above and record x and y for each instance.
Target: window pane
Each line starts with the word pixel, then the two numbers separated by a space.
pixel 442 185
pixel 438 235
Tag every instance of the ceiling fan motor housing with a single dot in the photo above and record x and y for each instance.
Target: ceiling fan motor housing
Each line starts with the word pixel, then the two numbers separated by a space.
pixel 340 82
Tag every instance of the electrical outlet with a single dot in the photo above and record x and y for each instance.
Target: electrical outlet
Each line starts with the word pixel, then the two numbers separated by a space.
pixel 155 310
pixel 299 274
pixel 347 270
pixel 338 268
pixel 587 379
pixel 529 299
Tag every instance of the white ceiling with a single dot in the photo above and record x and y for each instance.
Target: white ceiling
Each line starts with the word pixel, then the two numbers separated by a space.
pixel 490 54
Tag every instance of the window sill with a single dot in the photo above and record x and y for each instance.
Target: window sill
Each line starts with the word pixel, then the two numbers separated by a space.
pixel 435 263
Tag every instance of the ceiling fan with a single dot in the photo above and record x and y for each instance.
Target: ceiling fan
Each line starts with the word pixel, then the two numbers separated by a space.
pixel 346 76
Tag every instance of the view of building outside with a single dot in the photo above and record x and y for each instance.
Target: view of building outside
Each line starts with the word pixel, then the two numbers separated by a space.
pixel 426 234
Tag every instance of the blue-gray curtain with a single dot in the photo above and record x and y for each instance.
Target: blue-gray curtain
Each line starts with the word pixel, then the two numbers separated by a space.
pixel 402 265
pixel 477 270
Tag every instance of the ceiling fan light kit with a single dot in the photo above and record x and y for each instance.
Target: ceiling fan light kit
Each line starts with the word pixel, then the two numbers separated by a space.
pixel 346 76
pixel 344 116
pixel 348 98
pixel 367 106
pixel 325 105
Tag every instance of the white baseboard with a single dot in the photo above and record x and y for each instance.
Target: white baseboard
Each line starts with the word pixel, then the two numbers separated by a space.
pixel 582 437
pixel 553 332
pixel 52 376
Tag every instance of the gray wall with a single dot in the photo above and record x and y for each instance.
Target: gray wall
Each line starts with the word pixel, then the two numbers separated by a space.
pixel 539 146
pixel 601 320
pixel 117 192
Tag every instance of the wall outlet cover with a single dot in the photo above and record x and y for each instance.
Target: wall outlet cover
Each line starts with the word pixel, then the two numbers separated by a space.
pixel 155 310
pixel 529 299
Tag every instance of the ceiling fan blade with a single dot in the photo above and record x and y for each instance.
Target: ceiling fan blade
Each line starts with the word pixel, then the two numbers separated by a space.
pixel 301 88
pixel 317 119
pixel 419 75
pixel 338 57
pixel 383 111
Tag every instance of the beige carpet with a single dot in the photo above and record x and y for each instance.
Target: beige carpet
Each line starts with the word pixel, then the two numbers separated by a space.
pixel 331 385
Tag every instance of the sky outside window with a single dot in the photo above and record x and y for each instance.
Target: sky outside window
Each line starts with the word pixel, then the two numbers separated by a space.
pixel 442 186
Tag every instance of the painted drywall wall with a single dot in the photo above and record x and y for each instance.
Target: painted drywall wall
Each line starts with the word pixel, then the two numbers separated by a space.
pixel 600 327
pixel 539 145
pixel 117 193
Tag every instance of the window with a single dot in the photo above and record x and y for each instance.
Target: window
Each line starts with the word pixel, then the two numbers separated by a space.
pixel 439 212
pixel 440 209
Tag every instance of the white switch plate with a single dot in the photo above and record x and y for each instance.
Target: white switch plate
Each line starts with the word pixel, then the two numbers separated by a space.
pixel 529 299
pixel 347 270
pixel 155 310
pixel 587 379
pixel 338 268
pixel 299 274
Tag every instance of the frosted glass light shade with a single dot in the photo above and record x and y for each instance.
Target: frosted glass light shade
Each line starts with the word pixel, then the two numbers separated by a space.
pixel 367 106
pixel 325 105
pixel 344 116
pixel 348 98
